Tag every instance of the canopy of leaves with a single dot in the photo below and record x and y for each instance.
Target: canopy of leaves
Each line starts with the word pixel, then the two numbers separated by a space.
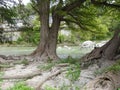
pixel 6 13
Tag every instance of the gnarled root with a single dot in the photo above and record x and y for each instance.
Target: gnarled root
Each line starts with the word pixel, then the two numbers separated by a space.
pixel 47 78
pixel 108 81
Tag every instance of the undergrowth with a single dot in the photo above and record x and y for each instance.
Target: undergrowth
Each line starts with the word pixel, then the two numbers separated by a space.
pixel 114 68
pixel 1 80
pixel 73 71
pixel 20 86
pixel 24 61
pixel 64 87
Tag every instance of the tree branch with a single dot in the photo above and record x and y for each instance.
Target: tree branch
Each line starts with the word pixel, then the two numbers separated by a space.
pixel 35 8
pixel 79 24
pixel 73 5
pixel 105 3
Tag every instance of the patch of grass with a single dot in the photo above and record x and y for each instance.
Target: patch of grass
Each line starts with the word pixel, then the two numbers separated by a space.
pixel 1 80
pixel 73 72
pixel 70 60
pixel 47 66
pixel 20 86
pixel 113 68
pixel 50 88
pixel 25 62
pixel 1 74
pixel 5 65
pixel 73 69
pixel 64 87
pixel 118 89
pixel 50 64
pixel 69 87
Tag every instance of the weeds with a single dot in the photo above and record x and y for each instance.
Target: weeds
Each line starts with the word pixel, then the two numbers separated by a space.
pixel 50 88
pixel 73 72
pixel 20 86
pixel 47 66
pixel 5 66
pixel 113 68
pixel 64 87
pixel 24 61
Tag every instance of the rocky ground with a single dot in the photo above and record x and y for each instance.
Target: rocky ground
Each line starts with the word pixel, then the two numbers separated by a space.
pixel 36 77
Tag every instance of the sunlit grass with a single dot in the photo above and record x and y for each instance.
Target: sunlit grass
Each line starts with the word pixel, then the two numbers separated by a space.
pixel 20 86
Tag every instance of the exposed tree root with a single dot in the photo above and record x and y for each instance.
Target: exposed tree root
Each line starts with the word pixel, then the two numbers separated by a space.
pixel 38 86
pixel 30 75
pixel 63 65
pixel 12 57
pixel 108 81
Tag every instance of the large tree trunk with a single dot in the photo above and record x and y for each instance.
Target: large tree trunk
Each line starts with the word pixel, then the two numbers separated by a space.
pixel 48 36
pixel 106 56
pixel 109 51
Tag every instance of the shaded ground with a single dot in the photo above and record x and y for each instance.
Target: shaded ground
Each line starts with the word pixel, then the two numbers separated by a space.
pixel 57 76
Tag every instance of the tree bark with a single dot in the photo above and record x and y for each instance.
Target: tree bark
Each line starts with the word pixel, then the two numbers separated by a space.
pixel 108 51
pixel 107 81
pixel 48 38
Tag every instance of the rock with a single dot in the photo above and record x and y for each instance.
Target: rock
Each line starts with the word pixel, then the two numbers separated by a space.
pixel 100 44
pixel 87 75
pixel 88 44
pixel 59 48
pixel 6 84
pixel 67 47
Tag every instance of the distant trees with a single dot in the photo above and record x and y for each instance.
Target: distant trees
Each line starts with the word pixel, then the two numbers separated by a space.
pixel 6 13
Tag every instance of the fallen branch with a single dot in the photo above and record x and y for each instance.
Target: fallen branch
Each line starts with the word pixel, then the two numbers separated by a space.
pixel 47 78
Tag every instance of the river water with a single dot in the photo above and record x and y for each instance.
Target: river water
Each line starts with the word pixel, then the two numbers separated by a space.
pixel 63 52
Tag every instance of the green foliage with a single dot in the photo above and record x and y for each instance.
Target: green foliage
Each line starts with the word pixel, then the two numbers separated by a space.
pixel 50 88
pixel 47 66
pixel 61 38
pixel 6 12
pixel 74 68
pixel 29 36
pixel 20 86
pixel 113 68
pixel 70 60
pixel 69 87
pixel 5 66
pixel 64 87
pixel 25 62
pixel 73 72
pixel 1 74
